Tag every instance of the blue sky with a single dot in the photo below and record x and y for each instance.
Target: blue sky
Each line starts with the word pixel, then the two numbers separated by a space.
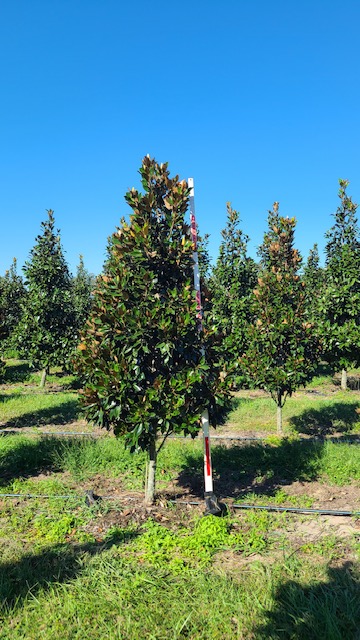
pixel 257 100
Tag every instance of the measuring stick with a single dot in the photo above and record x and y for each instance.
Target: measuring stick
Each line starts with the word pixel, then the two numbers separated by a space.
pixel 199 314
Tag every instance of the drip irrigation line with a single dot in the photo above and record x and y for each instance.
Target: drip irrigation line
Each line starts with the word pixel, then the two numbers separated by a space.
pixel 52 433
pixel 73 434
pixel 255 507
pixel 300 510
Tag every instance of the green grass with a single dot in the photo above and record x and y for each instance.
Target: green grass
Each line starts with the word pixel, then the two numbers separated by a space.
pixel 98 592
pixel 19 371
pixel 180 463
pixel 38 409
pixel 73 572
pixel 312 415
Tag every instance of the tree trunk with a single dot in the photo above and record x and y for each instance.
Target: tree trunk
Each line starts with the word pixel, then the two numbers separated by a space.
pixel 344 379
pixel 43 376
pixel 279 418
pixel 151 471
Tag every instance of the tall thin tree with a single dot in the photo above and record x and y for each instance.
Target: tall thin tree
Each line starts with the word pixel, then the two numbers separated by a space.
pixel 142 356
pixel 231 286
pixel 283 351
pixel 45 333
pixel 340 304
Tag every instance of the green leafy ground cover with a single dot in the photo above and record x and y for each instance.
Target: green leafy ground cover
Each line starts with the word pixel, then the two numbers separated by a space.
pixel 117 570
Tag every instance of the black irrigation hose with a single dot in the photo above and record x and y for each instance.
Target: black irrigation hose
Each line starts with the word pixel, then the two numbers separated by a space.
pixel 354 440
pixel 303 511
pixel 323 512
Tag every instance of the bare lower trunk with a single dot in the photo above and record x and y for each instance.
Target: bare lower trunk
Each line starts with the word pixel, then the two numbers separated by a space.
pixel 344 379
pixel 43 376
pixel 279 420
pixel 151 471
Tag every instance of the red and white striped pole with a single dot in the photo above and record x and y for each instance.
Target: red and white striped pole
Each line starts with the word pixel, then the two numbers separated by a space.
pixel 212 505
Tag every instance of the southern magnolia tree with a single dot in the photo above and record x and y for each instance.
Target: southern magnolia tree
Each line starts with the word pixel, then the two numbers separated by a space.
pixel 340 304
pixel 283 351
pixel 83 285
pixel 148 370
pixel 313 278
pixel 12 294
pixel 46 332
pixel 233 280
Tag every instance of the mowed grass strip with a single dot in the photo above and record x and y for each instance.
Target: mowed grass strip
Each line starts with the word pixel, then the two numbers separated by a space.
pixel 180 462
pixel 313 415
pixel 93 592
pixel 38 410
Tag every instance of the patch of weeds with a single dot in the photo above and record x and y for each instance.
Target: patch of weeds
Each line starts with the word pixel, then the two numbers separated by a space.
pixel 186 548
pixel 61 527
pixel 84 458
pixel 340 463
pixel 280 498
pixel 328 546
pixel 46 486
pixel 118 535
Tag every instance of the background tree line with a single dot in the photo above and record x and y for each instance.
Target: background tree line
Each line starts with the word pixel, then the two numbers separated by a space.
pixel 272 320
pixel 42 313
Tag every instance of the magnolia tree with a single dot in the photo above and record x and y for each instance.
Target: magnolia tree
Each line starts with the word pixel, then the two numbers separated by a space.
pixel 313 277
pixel 340 304
pixel 82 284
pixel 233 280
pixel 46 333
pixel 12 295
pixel 283 351
pixel 148 371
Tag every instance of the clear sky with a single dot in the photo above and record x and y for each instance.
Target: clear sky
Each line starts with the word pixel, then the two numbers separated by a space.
pixel 257 100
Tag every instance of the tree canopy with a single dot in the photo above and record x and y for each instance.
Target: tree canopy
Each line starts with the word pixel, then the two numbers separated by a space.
pixel 45 334
pixel 148 370
pixel 283 350
pixel 340 303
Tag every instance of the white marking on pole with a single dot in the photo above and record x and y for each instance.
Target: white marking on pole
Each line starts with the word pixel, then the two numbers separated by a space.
pixel 199 314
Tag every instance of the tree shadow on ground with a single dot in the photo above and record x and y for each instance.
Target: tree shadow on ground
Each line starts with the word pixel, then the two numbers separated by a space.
pixel 259 467
pixel 20 372
pixel 30 457
pixel 340 417
pixel 62 413
pixel 5 397
pixel 61 563
pixel 323 611
pixel 237 402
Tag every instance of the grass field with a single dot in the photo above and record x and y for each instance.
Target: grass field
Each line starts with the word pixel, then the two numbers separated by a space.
pixel 117 570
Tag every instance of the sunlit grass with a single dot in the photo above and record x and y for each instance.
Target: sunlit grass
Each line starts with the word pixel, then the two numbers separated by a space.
pixel 312 414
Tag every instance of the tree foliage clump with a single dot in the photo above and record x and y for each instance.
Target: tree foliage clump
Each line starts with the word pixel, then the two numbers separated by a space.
pixel 283 351
pixel 148 370
pixel 46 332
pixel 340 304
pixel 83 285
pixel 12 295
pixel 233 280
pixel 313 277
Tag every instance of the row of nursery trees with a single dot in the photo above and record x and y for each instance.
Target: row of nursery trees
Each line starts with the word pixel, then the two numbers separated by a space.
pixel 146 369
pixel 42 315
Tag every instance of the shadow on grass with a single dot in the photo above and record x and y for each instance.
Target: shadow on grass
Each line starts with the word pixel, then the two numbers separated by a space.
pixel 29 458
pixel 323 611
pixel 353 382
pixel 258 467
pixel 26 458
pixel 324 369
pixel 237 402
pixel 62 413
pixel 59 564
pixel 20 372
pixel 5 397
pixel 339 417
